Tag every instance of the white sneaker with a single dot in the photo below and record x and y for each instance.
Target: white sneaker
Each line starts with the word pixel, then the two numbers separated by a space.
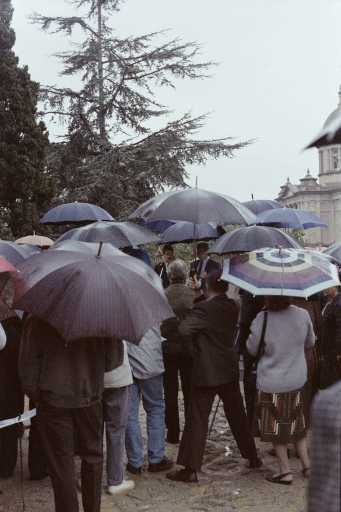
pixel 125 486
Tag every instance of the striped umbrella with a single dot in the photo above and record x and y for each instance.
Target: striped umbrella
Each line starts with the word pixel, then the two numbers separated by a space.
pixel 287 272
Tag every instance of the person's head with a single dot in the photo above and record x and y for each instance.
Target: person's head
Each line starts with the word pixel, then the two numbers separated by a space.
pixel 202 249
pixel 177 271
pixel 168 253
pixel 331 292
pixel 215 285
pixel 277 303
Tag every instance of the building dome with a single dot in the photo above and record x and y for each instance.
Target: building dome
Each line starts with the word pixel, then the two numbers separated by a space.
pixel 336 113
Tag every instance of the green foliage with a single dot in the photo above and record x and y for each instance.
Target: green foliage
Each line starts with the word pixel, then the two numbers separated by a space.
pixel 25 186
pixel 110 155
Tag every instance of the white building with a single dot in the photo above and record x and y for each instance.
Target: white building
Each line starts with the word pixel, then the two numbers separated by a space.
pixel 321 195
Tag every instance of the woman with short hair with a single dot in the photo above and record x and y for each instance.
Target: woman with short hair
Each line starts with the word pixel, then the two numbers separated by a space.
pixel 281 375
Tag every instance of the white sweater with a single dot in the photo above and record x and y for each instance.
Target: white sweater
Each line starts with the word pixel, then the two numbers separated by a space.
pixel 283 366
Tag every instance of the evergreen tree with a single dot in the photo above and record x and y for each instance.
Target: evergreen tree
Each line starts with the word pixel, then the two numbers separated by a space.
pixel 110 155
pixel 24 185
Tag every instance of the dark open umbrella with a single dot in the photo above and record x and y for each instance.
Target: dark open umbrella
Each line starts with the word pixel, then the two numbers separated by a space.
pixel 189 232
pixel 73 213
pixel 87 295
pixel 158 226
pixel 120 234
pixel 290 218
pixel 196 206
pixel 250 238
pixel 15 253
pixel 258 206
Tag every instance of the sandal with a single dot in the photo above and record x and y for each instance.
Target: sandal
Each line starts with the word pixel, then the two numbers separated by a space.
pixel 278 479
pixel 306 472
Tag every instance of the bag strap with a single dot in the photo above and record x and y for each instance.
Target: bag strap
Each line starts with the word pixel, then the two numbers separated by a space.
pixel 262 338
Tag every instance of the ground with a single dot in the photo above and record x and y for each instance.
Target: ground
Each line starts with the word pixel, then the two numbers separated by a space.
pixel 225 485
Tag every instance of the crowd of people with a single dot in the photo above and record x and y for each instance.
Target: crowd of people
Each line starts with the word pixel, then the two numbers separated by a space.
pixel 289 349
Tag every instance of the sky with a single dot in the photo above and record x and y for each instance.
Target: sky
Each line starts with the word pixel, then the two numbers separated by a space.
pixel 278 77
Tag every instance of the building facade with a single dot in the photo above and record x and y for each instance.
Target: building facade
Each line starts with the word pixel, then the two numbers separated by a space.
pixel 320 195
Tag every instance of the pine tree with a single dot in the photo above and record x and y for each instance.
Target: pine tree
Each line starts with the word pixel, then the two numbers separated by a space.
pixel 110 155
pixel 24 184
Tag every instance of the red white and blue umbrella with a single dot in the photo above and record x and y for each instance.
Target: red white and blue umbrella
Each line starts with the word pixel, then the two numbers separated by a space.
pixel 286 272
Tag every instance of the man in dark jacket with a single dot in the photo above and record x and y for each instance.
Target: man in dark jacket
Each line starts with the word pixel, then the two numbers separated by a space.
pixel 66 383
pixel 209 329
pixel 201 267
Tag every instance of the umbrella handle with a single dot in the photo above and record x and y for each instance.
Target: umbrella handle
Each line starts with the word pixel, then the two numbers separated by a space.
pixel 99 249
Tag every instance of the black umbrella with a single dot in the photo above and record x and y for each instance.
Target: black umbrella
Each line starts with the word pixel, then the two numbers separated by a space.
pixel 74 213
pixel 258 206
pixel 16 253
pixel 120 234
pixel 86 295
pixel 290 218
pixel 251 238
pixel 189 232
pixel 195 205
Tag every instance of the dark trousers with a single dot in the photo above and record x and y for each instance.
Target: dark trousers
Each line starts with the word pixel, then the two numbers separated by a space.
pixel 58 429
pixel 250 389
pixel 37 463
pixel 193 440
pixel 8 450
pixel 173 367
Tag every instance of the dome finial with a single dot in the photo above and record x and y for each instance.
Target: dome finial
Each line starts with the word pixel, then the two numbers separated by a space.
pixel 339 96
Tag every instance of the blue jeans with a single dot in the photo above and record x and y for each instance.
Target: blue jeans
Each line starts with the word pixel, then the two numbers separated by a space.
pixel 115 408
pixel 151 392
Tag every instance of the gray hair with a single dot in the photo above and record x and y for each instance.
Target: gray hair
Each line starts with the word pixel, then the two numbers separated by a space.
pixel 177 271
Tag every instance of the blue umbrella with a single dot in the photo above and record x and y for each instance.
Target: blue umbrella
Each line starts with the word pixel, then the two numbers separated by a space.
pixel 258 206
pixel 75 213
pixel 16 253
pixel 188 232
pixel 290 218
pixel 159 226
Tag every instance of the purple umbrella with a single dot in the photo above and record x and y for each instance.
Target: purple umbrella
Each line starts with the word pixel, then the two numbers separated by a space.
pixel 75 213
pixel 86 295
pixel 290 218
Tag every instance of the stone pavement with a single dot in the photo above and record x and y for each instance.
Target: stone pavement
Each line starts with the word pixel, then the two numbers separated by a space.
pixel 225 486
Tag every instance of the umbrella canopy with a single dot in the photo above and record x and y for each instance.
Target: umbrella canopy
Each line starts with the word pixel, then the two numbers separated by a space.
pixel 120 234
pixel 286 272
pixel 290 218
pixel 196 206
pixel 35 240
pixel 73 213
pixel 258 206
pixel 16 253
pixel 159 226
pixel 188 232
pixel 86 295
pixel 334 251
pixel 250 238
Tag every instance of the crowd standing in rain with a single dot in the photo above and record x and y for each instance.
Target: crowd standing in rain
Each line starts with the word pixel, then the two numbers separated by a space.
pixel 91 334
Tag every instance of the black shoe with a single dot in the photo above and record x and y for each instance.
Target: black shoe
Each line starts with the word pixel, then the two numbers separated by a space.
pixel 133 470
pixel 163 465
pixel 183 475
pixel 255 463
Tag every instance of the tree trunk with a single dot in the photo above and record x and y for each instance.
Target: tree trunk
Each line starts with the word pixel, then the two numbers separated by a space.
pixel 101 112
